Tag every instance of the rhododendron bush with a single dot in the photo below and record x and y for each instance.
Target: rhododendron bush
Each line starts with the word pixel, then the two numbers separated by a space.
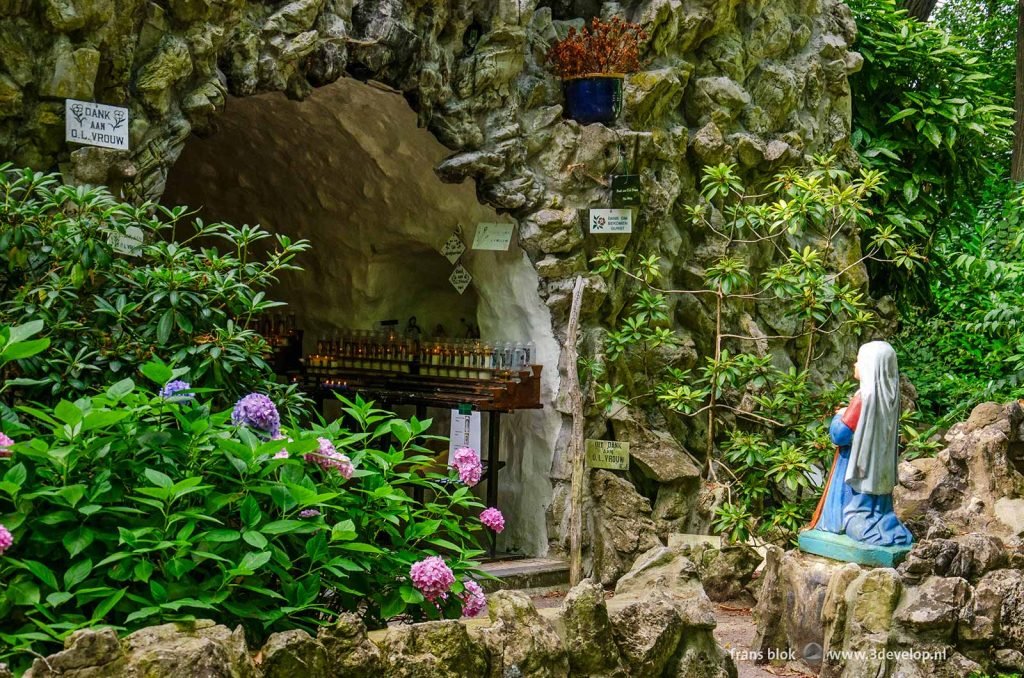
pixel 143 505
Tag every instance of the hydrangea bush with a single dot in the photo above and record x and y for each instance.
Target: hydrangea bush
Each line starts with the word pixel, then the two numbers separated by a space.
pixel 130 508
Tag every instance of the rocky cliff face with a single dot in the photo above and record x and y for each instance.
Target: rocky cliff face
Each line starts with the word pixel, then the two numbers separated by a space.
pixel 758 83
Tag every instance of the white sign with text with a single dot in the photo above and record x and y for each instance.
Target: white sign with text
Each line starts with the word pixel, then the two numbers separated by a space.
pixel 465 432
pixel 86 122
pixel 611 221
pixel 495 237
pixel 460 278
pixel 453 248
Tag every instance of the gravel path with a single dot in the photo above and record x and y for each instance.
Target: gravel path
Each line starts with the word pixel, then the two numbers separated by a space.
pixel 735 632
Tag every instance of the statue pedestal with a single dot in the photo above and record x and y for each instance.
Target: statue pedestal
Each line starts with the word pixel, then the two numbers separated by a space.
pixel 841 547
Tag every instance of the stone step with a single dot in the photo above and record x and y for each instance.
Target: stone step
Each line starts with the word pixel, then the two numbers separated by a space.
pixel 531 575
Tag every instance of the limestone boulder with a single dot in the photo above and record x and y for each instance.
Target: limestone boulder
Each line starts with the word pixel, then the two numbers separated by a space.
pixel 589 639
pixel 520 641
pixel 931 609
pixel 436 649
pixel 200 648
pixel 976 484
pixel 622 525
pixel 668 572
pixel 293 653
pixel 726 572
pixel 350 653
pixel 647 633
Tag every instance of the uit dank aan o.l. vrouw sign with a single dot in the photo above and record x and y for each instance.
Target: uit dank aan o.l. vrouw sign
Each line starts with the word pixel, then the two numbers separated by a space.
pixel 87 122
pixel 608 454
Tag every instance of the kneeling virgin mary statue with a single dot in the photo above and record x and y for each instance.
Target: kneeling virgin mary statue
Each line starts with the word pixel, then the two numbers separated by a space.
pixel 856 511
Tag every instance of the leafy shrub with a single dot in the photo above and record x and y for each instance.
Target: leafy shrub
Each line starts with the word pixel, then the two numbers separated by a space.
pixel 926 111
pixel 107 313
pixel 130 509
pixel 968 345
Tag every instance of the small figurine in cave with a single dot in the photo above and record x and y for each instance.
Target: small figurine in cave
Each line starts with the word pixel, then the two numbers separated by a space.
pixel 857 501
pixel 412 329
pixel 440 332
pixel 470 329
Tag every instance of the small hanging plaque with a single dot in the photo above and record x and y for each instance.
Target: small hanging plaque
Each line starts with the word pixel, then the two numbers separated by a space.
pixel 453 248
pixel 608 454
pixel 130 242
pixel 626 190
pixel 611 221
pixel 86 122
pixel 460 278
pixel 495 237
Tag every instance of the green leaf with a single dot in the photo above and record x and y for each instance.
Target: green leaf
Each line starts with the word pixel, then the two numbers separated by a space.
pixel 285 526
pixel 344 531
pixel 159 479
pixel 253 561
pixel 23 592
pixel 58 598
pixel 24 349
pixel 142 571
pixel 157 372
pixel 78 539
pixel 392 606
pixel 250 512
pixel 360 547
pixel 411 594
pixel 255 539
pixel 67 412
pixel 77 573
pixel 164 327
pixel 16 475
pixel 108 604
pixel 220 536
pixel 42 572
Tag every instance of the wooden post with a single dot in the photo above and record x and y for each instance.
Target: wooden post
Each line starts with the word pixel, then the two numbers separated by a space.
pixel 577 453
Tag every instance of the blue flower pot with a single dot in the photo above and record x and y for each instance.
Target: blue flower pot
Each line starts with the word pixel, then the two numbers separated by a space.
pixel 593 98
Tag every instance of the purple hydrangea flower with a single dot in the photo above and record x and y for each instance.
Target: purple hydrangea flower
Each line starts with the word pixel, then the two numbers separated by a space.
pixel 328 458
pixel 473 599
pixel 281 454
pixel 172 388
pixel 492 518
pixel 6 539
pixel 309 513
pixel 259 412
pixel 467 463
pixel 432 577
pixel 5 445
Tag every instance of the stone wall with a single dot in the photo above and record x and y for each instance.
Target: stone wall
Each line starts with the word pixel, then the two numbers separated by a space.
pixel 762 84
pixel 954 607
pixel 658 624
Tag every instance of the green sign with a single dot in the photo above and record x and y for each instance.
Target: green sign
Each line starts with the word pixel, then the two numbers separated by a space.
pixel 608 454
pixel 626 190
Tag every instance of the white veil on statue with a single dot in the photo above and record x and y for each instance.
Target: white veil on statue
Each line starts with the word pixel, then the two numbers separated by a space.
pixel 873 458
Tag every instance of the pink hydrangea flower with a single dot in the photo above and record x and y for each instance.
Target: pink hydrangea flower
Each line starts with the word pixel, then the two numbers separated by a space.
pixel 309 513
pixel 6 539
pixel 473 599
pixel 492 518
pixel 328 458
pixel 468 465
pixel 281 454
pixel 432 577
pixel 5 445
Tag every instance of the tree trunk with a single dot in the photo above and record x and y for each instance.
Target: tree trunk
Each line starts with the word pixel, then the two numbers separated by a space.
pixel 1017 161
pixel 920 9
pixel 577 451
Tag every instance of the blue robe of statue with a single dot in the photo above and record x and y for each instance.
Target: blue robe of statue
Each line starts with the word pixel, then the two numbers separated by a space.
pixel 867 518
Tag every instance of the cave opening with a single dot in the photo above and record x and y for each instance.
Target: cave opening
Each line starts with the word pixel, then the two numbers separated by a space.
pixel 349 170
